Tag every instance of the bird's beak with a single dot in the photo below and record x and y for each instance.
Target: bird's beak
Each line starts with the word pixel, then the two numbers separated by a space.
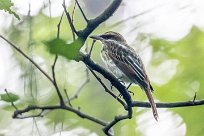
pixel 96 37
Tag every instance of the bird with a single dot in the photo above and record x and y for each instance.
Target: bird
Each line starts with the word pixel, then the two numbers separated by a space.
pixel 125 64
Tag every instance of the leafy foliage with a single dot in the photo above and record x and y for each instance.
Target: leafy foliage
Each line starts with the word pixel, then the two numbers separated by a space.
pixel 6 6
pixel 69 51
pixel 9 97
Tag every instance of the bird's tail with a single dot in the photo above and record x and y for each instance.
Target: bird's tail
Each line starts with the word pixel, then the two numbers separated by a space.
pixel 152 103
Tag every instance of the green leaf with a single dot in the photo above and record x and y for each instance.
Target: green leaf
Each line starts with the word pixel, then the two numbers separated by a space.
pixel 10 97
pixel 6 6
pixel 60 47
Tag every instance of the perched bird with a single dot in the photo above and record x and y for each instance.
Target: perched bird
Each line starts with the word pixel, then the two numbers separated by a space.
pixel 125 63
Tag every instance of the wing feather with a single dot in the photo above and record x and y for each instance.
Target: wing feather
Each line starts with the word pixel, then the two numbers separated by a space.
pixel 131 65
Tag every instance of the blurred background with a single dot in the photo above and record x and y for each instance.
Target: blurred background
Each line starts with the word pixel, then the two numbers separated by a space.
pixel 168 35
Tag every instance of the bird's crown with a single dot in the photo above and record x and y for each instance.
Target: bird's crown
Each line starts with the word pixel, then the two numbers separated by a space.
pixel 110 35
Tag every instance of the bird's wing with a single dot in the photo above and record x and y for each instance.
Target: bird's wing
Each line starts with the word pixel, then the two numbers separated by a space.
pixel 131 65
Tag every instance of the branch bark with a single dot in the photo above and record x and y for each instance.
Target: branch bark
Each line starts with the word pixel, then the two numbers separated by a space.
pixel 169 105
pixel 77 112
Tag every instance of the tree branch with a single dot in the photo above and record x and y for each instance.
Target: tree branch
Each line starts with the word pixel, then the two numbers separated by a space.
pixel 106 89
pixel 82 12
pixel 114 81
pixel 69 19
pixel 91 48
pixel 68 99
pixel 77 112
pixel 112 123
pixel 55 82
pixel 93 23
pixel 28 58
pixel 77 92
pixel 169 105
pixel 59 24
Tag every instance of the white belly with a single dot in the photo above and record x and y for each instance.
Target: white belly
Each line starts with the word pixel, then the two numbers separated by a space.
pixel 113 68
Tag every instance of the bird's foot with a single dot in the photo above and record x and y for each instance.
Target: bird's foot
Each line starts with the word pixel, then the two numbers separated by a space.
pixel 130 92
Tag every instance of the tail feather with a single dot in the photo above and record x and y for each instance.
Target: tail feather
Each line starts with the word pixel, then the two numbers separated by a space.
pixel 152 103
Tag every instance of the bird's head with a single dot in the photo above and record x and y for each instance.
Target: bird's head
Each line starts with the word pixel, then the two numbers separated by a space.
pixel 109 36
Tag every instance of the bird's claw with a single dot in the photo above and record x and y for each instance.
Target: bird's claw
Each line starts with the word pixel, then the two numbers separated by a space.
pixel 130 92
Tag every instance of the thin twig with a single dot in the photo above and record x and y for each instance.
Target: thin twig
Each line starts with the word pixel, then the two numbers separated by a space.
pixel 194 98
pixel 36 126
pixel 69 19
pixel 55 83
pixel 57 107
pixel 10 99
pixel 73 11
pixel 169 105
pixel 93 23
pixel 77 92
pixel 106 89
pixel 72 20
pixel 54 64
pixel 129 86
pixel 59 24
pixel 28 58
pixel 85 18
pixel 91 47
pixel 68 99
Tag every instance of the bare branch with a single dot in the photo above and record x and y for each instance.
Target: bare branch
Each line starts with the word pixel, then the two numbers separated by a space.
pixel 32 116
pixel 82 12
pixel 114 81
pixel 55 83
pixel 69 19
pixel 59 24
pixel 169 105
pixel 54 64
pixel 73 11
pixel 68 99
pixel 93 23
pixel 72 20
pixel 77 112
pixel 106 89
pixel 28 58
pixel 117 118
pixel 112 123
pixel 91 47
pixel 82 35
pixel 77 92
